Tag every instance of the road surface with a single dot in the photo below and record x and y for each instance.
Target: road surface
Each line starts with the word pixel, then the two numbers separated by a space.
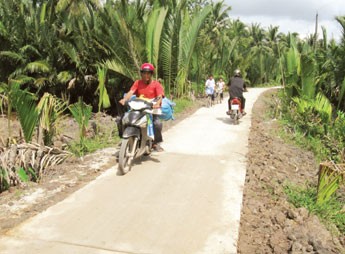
pixel 186 199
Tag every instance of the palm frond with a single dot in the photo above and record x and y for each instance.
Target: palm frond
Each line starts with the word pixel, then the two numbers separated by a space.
pixel 188 36
pixel 118 66
pixel 38 66
pixel 70 50
pixel 12 55
pixel 27 49
pixel 104 100
pixel 153 33
pixel 3 30
pixel 81 112
pixel 324 106
pixel 64 76
pixel 308 75
pixel 341 93
pixel 50 110
pixel 25 105
pixel 22 79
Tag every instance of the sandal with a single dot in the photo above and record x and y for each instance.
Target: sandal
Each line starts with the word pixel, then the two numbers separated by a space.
pixel 157 148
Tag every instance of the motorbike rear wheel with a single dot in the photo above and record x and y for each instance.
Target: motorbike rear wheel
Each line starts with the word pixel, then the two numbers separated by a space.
pixel 126 156
pixel 234 115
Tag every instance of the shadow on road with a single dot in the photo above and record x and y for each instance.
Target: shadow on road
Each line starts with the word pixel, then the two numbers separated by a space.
pixel 226 120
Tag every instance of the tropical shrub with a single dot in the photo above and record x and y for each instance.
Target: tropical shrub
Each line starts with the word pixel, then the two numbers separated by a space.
pixel 82 114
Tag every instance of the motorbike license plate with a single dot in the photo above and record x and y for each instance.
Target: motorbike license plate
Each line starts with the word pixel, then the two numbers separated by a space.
pixel 235 107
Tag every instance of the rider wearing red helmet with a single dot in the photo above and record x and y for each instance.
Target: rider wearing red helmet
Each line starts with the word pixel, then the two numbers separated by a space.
pixel 149 89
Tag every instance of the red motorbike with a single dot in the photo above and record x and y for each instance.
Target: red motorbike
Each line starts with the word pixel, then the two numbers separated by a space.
pixel 235 109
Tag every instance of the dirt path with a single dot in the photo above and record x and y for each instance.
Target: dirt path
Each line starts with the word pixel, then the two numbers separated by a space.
pixel 185 200
pixel 268 223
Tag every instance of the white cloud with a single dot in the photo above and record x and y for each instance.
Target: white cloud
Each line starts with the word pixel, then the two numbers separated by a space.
pixel 290 15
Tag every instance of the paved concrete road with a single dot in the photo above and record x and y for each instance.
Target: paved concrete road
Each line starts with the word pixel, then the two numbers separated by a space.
pixel 184 200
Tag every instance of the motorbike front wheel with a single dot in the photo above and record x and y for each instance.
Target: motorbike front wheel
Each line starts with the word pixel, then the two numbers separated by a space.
pixel 126 156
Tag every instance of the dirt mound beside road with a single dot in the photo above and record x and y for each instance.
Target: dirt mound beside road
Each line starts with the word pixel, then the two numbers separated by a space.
pixel 269 224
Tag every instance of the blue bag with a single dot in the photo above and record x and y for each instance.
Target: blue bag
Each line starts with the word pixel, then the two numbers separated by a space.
pixel 150 130
pixel 167 109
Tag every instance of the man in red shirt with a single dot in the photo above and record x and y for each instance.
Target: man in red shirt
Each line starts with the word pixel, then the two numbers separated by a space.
pixel 150 89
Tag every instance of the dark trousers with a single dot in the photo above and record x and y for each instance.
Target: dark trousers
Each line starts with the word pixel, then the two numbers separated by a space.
pixel 157 128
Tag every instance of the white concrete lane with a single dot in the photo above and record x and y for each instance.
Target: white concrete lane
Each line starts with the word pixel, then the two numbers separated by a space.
pixel 184 200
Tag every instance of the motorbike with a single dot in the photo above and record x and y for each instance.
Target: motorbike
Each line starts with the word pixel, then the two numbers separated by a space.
pixel 235 109
pixel 137 133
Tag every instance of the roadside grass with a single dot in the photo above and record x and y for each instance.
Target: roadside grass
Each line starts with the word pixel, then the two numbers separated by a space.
pixel 315 145
pixel 331 212
pixel 91 145
pixel 182 104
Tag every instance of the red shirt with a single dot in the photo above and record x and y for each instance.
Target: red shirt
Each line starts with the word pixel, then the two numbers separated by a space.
pixel 149 91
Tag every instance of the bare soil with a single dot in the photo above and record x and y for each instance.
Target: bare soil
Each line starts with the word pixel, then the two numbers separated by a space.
pixel 269 224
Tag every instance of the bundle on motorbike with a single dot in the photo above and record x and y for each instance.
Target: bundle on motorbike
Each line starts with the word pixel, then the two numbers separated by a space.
pixel 137 133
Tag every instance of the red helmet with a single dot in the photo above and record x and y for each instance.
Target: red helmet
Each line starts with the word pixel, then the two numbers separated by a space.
pixel 147 67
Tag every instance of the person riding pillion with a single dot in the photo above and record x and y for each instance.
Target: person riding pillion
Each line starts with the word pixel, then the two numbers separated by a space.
pixel 236 87
pixel 150 89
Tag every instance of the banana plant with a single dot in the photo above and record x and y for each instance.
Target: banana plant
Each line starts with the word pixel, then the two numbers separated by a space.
pixel 308 72
pixel 292 69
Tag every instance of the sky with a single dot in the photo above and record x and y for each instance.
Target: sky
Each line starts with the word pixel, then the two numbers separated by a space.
pixel 291 15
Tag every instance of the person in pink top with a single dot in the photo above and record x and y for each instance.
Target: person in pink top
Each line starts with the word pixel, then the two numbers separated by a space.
pixel 150 89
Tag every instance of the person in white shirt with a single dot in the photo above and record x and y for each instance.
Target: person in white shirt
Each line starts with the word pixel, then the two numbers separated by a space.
pixel 220 88
pixel 209 87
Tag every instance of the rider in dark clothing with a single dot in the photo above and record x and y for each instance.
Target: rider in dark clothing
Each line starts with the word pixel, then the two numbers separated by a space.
pixel 236 87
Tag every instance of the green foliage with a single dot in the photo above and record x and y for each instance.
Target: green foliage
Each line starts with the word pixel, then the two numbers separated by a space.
pixel 308 75
pixel 341 93
pixel 329 212
pixel 153 33
pixel 50 110
pixel 93 144
pixel 82 114
pixel 338 128
pixel 309 116
pixel 306 118
pixel 27 113
pixel 329 182
pixel 313 127
pixel 292 70
pixel 4 180
pixel 104 101
pixel 187 40
pixel 182 104
pixel 22 175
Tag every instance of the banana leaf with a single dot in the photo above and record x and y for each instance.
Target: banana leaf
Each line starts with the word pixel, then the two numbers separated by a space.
pixel 308 75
